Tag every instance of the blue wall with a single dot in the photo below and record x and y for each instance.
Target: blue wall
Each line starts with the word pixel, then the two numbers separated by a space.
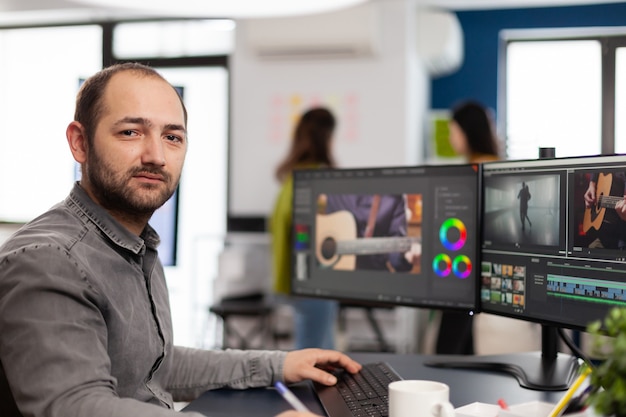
pixel 478 76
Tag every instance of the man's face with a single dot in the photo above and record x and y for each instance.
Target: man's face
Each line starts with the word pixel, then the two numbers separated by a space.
pixel 134 163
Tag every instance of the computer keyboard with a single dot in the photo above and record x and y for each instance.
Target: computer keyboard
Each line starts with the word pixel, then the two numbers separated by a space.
pixel 364 394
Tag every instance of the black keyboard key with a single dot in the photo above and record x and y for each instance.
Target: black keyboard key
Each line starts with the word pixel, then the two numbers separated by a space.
pixel 364 394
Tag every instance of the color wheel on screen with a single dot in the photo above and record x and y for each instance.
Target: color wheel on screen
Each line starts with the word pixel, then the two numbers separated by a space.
pixel 442 265
pixel 453 234
pixel 462 266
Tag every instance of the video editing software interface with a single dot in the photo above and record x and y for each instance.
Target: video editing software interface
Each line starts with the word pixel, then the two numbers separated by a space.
pixel 395 235
pixel 546 255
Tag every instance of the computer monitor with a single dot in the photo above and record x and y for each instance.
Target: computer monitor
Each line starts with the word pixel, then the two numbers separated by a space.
pixel 549 258
pixel 339 253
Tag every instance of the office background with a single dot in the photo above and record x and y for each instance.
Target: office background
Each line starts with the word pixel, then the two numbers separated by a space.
pixel 398 114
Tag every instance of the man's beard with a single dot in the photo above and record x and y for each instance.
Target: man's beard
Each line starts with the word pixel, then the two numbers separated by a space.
pixel 114 193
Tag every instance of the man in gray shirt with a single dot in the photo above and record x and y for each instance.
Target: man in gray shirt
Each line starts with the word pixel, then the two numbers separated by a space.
pixel 85 325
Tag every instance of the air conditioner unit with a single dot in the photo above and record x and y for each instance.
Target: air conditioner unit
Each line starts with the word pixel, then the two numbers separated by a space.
pixel 348 32
pixel 439 41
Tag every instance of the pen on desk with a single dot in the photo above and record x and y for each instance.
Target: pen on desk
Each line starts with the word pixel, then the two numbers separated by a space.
pixel 560 406
pixel 503 405
pixel 290 397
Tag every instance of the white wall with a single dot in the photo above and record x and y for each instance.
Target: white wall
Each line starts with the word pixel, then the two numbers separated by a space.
pixel 379 101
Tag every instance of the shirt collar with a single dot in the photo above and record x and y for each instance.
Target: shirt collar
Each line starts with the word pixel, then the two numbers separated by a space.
pixel 81 203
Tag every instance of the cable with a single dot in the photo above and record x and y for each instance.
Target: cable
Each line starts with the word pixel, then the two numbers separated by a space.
pixel 575 349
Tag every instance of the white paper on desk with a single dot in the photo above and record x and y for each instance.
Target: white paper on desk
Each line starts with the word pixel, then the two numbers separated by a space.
pixel 529 409
pixel 477 409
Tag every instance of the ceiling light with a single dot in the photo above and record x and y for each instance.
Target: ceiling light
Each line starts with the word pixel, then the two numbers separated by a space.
pixel 226 8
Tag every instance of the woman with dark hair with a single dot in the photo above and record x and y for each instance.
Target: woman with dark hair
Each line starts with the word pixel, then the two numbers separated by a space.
pixel 472 136
pixel 472 133
pixel 314 320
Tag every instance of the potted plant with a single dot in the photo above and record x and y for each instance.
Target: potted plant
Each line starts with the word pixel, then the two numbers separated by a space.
pixel 608 343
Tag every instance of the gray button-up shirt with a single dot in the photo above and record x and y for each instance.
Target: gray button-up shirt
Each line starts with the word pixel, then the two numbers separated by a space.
pixel 85 326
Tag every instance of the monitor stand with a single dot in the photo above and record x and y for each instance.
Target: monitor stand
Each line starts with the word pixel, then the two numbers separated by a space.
pixel 548 370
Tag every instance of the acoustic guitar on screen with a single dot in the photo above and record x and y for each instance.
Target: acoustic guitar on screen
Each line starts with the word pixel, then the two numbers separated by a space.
pixel 595 215
pixel 337 244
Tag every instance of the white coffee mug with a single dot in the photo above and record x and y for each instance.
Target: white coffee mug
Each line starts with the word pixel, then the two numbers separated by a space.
pixel 419 398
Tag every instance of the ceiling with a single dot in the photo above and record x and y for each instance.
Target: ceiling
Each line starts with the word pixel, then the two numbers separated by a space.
pixel 20 12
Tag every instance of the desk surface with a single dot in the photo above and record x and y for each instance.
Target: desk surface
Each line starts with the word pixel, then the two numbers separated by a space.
pixel 466 386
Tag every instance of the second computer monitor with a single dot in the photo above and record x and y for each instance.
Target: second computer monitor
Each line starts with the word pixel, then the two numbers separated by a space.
pixel 547 255
pixel 394 236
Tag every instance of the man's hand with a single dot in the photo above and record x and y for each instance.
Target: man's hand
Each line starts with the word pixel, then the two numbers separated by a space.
pixel 414 255
pixel 590 195
pixel 620 208
pixel 313 363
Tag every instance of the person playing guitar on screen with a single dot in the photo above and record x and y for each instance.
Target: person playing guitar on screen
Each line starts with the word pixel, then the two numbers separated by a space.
pixel 377 216
pixel 605 209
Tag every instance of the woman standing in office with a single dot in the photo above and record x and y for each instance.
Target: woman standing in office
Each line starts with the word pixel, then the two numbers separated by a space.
pixel 472 135
pixel 314 321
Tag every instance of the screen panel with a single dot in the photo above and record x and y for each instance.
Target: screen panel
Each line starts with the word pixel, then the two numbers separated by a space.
pixel 427 210
pixel 546 256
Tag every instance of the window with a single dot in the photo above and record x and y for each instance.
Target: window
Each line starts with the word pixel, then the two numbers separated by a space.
pixel 39 78
pixel 170 39
pixel 620 100
pixel 556 90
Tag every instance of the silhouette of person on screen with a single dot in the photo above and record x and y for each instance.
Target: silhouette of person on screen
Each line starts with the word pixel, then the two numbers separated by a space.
pixel 472 135
pixel 314 319
pixel 523 196
pixel 84 307
pixel 380 215
pixel 605 210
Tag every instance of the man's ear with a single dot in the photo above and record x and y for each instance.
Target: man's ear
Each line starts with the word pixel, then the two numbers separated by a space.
pixel 75 134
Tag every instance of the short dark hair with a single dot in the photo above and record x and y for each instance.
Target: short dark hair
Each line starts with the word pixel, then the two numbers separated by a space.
pixel 89 105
